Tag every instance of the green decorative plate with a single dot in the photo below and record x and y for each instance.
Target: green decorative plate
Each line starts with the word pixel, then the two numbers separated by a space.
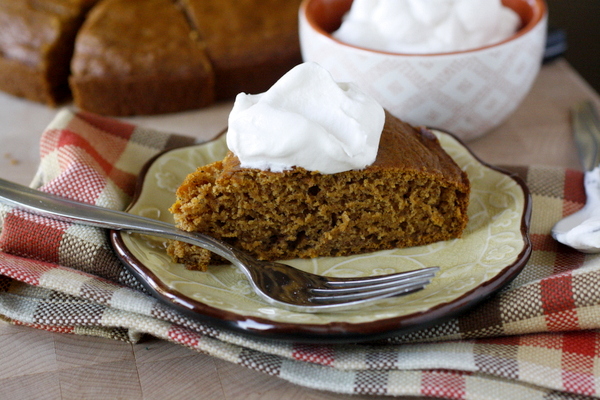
pixel 493 250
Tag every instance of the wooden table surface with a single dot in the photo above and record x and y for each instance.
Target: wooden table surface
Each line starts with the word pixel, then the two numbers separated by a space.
pixel 41 365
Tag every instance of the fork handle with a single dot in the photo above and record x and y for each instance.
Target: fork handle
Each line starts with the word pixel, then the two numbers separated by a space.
pixel 586 132
pixel 62 209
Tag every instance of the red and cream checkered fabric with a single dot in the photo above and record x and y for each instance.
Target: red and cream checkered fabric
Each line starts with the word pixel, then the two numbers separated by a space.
pixel 537 339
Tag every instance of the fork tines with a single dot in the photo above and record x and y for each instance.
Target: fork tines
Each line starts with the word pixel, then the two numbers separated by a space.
pixel 371 288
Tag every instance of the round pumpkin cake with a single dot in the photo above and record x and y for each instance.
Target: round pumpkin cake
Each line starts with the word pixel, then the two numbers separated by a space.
pixel 128 57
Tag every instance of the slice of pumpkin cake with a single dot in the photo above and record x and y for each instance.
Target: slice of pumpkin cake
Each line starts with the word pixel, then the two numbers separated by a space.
pixel 377 183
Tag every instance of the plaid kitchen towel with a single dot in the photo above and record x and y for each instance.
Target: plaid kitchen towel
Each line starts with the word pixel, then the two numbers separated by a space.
pixel 537 339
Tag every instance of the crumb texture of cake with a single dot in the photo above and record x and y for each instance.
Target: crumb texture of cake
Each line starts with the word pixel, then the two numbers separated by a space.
pixel 413 194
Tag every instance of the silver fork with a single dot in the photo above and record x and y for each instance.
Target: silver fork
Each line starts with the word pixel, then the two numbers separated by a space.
pixel 277 284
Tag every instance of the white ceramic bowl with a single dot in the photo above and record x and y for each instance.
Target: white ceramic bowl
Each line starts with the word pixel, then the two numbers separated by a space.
pixel 467 92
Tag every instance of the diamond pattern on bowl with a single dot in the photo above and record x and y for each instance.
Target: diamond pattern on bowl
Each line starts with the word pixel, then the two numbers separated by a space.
pixel 465 93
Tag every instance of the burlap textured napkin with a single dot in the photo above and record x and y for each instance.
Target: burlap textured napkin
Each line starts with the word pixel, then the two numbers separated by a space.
pixel 537 339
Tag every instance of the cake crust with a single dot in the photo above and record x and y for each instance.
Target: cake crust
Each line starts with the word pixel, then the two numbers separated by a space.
pixel 130 61
pixel 250 43
pixel 36 45
pixel 145 56
pixel 413 194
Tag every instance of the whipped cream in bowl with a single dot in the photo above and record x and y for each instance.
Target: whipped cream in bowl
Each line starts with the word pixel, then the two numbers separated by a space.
pixel 308 120
pixel 445 63
pixel 427 26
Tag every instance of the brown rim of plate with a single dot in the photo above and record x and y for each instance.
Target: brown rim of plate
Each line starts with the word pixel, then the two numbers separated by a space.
pixel 334 332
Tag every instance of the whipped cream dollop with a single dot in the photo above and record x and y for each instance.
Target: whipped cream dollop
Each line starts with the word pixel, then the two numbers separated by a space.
pixel 427 26
pixel 307 120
